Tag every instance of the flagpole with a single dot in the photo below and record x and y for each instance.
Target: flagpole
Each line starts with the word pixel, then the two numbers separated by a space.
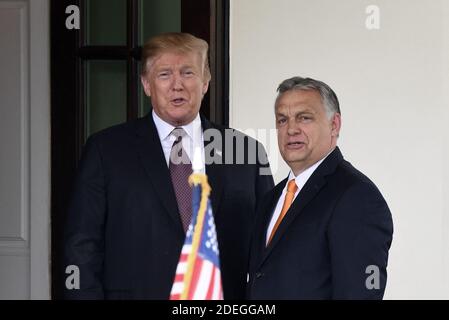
pixel 196 178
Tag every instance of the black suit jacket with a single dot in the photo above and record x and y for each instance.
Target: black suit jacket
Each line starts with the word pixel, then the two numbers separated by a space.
pixel 123 229
pixel 338 226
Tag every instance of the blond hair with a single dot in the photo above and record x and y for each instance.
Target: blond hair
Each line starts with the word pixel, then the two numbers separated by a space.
pixel 175 42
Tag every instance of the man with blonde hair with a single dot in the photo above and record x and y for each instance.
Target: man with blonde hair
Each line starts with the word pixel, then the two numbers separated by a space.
pixel 131 205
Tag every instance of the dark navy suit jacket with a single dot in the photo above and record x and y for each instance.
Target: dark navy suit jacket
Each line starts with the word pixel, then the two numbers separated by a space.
pixel 337 227
pixel 123 229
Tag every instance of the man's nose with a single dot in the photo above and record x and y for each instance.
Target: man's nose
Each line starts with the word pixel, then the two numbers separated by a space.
pixel 177 83
pixel 293 128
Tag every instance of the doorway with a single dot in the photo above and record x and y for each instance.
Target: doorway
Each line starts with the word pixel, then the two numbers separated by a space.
pixel 95 78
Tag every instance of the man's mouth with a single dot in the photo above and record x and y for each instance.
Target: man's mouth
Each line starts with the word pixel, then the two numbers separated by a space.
pixel 178 101
pixel 295 145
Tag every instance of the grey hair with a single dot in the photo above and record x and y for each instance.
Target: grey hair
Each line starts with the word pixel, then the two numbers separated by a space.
pixel 328 96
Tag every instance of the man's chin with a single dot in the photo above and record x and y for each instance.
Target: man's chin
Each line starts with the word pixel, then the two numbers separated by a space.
pixel 180 117
pixel 293 156
pixel 180 120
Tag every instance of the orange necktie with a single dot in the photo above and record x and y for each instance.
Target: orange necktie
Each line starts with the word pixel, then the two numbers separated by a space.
pixel 291 190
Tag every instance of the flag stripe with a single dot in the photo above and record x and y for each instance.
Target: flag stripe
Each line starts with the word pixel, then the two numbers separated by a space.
pixel 211 283
pixel 175 296
pixel 179 278
pixel 177 288
pixel 182 267
pixel 203 281
pixel 198 269
pixel 217 286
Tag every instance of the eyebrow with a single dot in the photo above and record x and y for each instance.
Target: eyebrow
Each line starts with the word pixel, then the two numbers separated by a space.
pixel 162 68
pixel 280 114
pixel 188 66
pixel 168 67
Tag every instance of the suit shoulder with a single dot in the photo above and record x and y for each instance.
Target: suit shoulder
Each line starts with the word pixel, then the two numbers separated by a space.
pixel 358 200
pixel 229 132
pixel 352 182
pixel 115 140
pixel 115 133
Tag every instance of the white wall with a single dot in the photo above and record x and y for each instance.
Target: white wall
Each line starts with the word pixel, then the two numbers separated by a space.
pixel 393 86
pixel 24 150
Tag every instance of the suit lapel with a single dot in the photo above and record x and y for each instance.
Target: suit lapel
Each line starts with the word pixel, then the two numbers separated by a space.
pixel 152 159
pixel 214 175
pixel 214 171
pixel 264 221
pixel 315 183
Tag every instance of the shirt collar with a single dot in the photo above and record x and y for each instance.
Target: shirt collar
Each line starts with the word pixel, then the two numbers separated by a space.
pixel 164 129
pixel 302 178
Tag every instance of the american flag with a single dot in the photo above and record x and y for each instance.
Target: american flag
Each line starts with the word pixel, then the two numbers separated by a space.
pixel 198 274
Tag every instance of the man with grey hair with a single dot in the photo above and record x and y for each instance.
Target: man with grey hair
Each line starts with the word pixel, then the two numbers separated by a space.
pixel 324 232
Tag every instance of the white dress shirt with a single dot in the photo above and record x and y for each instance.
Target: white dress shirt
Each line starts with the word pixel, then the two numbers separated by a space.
pixel 300 180
pixel 192 140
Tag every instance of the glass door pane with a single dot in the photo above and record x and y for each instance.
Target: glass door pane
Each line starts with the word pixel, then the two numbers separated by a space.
pixel 105 22
pixel 105 94
pixel 158 16
pixel 144 101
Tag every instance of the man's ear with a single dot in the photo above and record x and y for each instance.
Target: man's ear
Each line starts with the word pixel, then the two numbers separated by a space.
pixel 145 85
pixel 336 124
pixel 205 87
